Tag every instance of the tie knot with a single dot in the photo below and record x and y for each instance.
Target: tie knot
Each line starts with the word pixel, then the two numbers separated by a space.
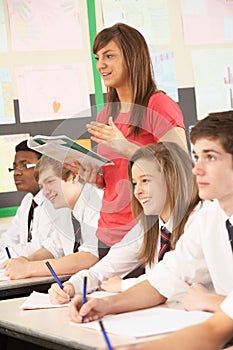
pixel 34 204
pixel 165 233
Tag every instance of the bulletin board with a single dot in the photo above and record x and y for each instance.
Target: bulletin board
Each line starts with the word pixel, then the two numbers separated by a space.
pixel 43 48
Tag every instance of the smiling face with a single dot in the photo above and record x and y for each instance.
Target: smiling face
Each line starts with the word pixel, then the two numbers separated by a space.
pixel 24 179
pixel 214 172
pixel 59 192
pixel 111 66
pixel 150 188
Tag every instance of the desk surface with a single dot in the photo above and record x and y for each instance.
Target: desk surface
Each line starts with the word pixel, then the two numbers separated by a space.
pixel 49 328
pixel 23 287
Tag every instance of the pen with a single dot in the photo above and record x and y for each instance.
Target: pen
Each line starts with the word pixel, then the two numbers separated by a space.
pixel 84 293
pixel 54 275
pixel 8 252
pixel 109 346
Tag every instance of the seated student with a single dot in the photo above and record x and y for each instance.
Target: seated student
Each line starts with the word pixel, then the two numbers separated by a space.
pixel 63 189
pixel 209 335
pixel 29 228
pixel 203 253
pixel 165 189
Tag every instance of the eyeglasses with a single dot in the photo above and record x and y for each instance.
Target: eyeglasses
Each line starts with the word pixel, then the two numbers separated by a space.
pixel 21 167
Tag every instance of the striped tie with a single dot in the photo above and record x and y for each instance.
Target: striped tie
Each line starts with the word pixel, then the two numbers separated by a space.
pixel 164 242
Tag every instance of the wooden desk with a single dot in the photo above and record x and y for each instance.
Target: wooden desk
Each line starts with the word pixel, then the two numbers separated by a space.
pixel 23 287
pixel 47 328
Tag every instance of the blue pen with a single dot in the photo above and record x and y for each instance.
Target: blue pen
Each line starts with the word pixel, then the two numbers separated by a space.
pixel 54 275
pixel 107 341
pixel 8 252
pixel 84 298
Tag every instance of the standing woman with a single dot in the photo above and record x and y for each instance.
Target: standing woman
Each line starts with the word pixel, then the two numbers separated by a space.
pixel 136 114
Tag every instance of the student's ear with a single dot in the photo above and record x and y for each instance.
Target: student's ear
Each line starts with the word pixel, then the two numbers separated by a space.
pixel 75 178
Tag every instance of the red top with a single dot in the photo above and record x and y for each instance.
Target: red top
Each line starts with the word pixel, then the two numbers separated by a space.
pixel 116 217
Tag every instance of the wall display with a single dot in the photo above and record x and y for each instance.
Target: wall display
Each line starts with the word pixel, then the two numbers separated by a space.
pixel 165 72
pixel 3 35
pixel 6 97
pixel 149 17
pixel 213 90
pixel 45 25
pixel 7 154
pixel 212 20
pixel 51 91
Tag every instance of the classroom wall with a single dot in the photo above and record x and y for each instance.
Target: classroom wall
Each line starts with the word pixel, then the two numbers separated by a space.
pixel 89 12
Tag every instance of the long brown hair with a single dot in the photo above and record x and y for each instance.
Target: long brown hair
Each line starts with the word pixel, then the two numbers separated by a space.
pixel 138 64
pixel 182 193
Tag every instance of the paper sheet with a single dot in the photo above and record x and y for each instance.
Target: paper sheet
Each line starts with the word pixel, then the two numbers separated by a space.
pixel 143 323
pixel 39 301
pixel 3 277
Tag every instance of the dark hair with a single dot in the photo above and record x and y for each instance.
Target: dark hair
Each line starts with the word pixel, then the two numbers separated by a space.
pixel 22 146
pixel 182 193
pixel 216 126
pixel 138 64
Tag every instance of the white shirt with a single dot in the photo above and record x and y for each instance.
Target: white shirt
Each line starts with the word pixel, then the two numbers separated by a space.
pixel 45 221
pixel 86 211
pixel 203 254
pixel 227 305
pixel 121 259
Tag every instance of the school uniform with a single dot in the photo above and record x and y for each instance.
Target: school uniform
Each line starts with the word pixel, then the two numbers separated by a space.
pixel 227 305
pixel 44 222
pixel 86 211
pixel 122 258
pixel 203 254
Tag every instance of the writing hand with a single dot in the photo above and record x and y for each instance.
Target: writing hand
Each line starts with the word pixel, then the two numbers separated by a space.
pixel 61 296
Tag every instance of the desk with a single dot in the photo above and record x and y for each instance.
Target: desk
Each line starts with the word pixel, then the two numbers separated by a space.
pixel 23 287
pixel 47 328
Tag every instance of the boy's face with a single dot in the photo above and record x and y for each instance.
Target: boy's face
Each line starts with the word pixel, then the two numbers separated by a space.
pixel 61 193
pixel 214 172
pixel 24 178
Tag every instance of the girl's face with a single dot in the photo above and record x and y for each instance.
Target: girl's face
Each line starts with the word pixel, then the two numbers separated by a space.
pixel 111 66
pixel 150 187
pixel 56 190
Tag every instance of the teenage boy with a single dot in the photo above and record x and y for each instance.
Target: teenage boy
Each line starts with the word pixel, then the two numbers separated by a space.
pixel 203 254
pixel 36 218
pixel 64 190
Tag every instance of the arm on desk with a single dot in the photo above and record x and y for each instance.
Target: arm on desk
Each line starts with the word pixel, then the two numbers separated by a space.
pixel 140 296
pixel 209 335
pixel 70 264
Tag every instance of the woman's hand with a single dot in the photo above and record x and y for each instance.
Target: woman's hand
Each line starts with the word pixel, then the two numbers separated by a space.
pixel 108 134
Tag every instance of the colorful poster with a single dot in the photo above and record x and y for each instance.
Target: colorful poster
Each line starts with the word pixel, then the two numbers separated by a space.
pixel 165 72
pixel 207 21
pixel 45 25
pixel 52 91
pixel 7 154
pixel 3 36
pixel 149 17
pixel 213 80
pixel 6 97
